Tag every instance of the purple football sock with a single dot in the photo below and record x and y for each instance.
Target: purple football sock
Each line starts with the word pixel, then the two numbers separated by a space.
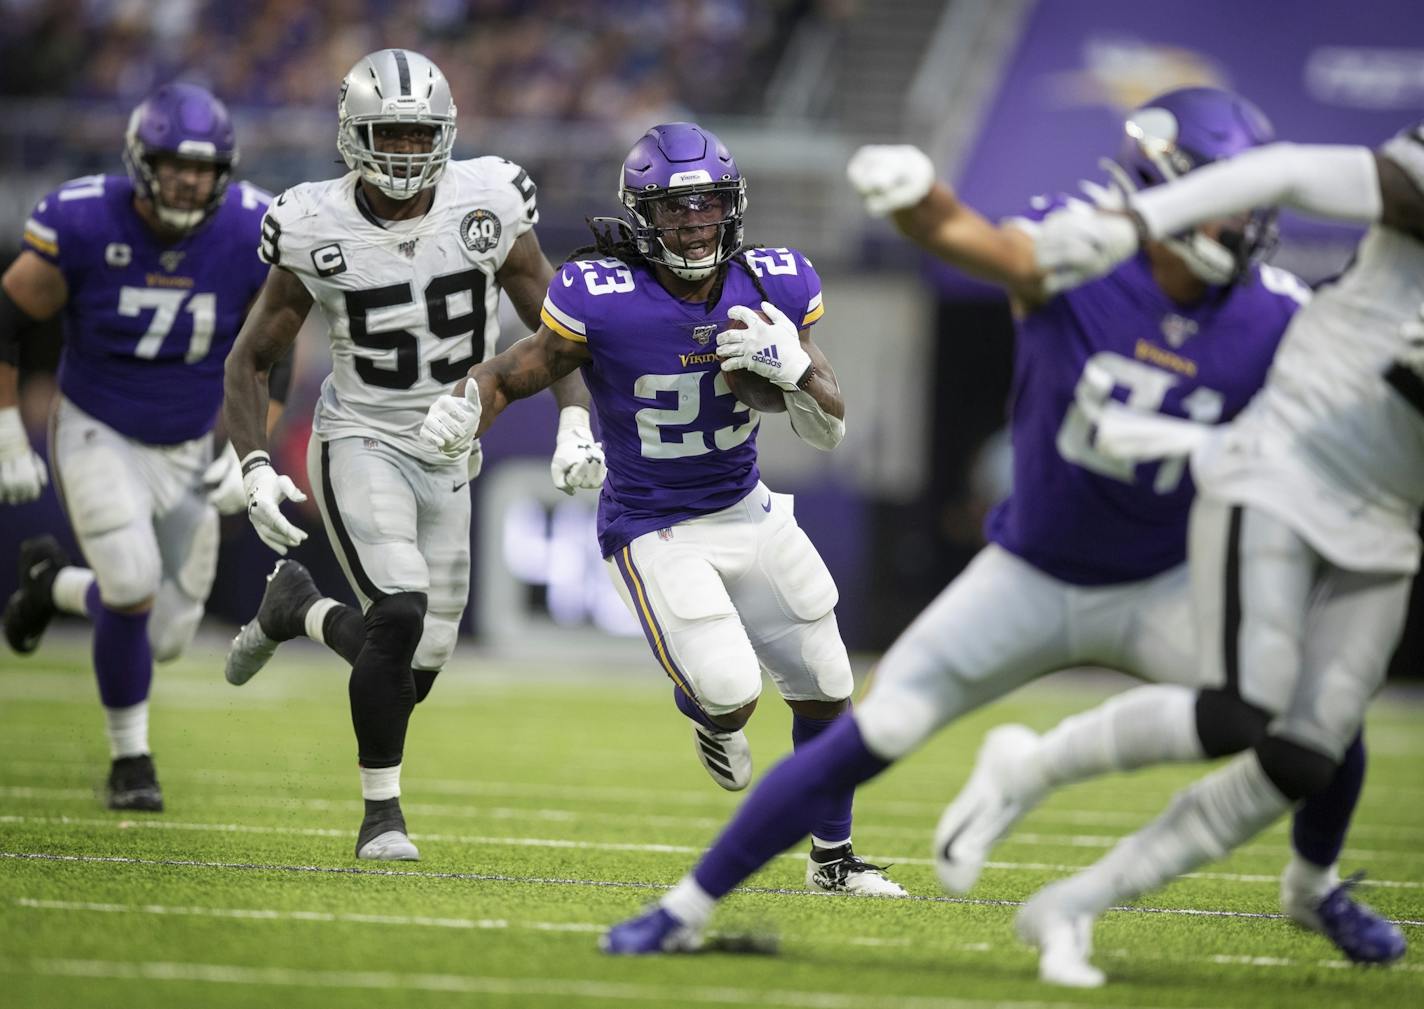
pixel 834 823
pixel 793 796
pixel 123 661
pixel 93 605
pixel 1320 824
pixel 690 708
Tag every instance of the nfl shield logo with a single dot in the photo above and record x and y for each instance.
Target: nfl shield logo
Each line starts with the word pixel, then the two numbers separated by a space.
pixel 1178 330
pixel 665 534
pixel 170 260
pixel 703 333
pixel 407 249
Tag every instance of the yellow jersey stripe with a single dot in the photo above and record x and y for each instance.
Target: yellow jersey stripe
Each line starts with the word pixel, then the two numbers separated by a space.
pixel 813 315
pixel 560 328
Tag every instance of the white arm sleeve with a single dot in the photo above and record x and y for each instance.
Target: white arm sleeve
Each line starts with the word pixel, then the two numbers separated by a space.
pixel 812 425
pixel 1333 181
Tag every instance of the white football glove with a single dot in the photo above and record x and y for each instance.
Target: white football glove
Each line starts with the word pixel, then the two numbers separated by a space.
pixel 266 491
pixel 22 472
pixel 222 481
pixel 770 349
pixel 1076 243
pixel 890 177
pixel 578 459
pixel 452 421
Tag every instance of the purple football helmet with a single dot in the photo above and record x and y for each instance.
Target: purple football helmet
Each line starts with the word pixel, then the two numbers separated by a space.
pixel 182 121
pixel 673 172
pixel 1185 129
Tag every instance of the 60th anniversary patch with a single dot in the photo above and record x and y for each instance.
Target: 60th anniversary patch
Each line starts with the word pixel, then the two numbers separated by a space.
pixel 480 230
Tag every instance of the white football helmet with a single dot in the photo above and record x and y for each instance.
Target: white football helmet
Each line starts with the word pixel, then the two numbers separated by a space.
pixel 395 86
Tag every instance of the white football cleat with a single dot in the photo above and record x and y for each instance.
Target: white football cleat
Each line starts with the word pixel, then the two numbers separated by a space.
pixel 726 755
pixel 1063 938
pixel 985 810
pixel 392 846
pixel 847 872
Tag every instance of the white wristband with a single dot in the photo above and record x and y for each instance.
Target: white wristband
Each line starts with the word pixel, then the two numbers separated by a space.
pixel 574 418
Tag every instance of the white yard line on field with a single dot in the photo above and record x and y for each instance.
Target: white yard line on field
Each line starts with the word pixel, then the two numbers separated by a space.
pixel 336 870
pixel 1270 845
pixel 479 984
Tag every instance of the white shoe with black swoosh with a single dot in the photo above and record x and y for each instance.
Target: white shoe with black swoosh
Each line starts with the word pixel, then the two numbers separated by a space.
pixel 984 811
pixel 726 755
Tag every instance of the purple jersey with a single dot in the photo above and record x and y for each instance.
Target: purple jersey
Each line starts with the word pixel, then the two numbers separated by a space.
pixel 1091 519
pixel 147 326
pixel 678 443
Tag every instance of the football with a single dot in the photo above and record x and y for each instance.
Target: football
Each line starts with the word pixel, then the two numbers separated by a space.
pixel 752 389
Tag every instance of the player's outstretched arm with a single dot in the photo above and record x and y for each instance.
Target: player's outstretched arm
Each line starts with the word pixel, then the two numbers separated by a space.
pixel 578 459
pixel 266 336
pixel 898 180
pixel 265 339
pixel 31 291
pixel 534 363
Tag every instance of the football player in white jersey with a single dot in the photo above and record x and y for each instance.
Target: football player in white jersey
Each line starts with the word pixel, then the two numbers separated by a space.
pixel 405 256
pixel 1303 538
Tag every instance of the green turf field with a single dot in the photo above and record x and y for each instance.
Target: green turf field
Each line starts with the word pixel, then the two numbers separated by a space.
pixel 551 801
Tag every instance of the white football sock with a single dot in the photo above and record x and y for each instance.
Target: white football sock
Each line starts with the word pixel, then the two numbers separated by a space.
pixel 1204 821
pixel 1305 878
pixel 1137 728
pixel 316 615
pixel 380 782
pixel 128 730
pixel 689 903
pixel 71 586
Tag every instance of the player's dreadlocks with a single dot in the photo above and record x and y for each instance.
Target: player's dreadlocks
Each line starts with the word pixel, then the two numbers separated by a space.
pixel 612 240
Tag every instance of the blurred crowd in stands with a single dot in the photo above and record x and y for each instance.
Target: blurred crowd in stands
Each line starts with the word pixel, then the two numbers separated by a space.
pixel 564 60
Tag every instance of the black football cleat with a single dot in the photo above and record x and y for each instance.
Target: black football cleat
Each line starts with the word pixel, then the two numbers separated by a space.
pixel 31 606
pixel 133 785
pixel 280 617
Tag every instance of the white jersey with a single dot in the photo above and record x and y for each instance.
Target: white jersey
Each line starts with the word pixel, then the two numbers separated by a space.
pixel 411 305
pixel 1334 443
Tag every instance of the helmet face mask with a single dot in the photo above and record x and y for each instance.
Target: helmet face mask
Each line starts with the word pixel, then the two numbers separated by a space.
pixel 397 89
pixel 1182 130
pixel 678 181
pixel 178 124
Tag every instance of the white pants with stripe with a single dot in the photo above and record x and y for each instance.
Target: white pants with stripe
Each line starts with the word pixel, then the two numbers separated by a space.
pixel 723 596
pixel 142 519
pixel 1285 628
pixel 397 525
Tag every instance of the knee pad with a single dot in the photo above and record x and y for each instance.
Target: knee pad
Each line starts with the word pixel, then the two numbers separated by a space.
pixel 1297 770
pixel 174 621
pixel 437 642
pixel 394 624
pixel 126 565
pixel 1226 724
pixel 824 653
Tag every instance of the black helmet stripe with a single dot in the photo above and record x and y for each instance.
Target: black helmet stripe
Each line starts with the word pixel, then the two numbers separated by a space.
pixel 403 68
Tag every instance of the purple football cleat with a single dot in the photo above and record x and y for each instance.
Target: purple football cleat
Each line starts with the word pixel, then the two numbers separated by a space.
pixel 653 931
pixel 1360 932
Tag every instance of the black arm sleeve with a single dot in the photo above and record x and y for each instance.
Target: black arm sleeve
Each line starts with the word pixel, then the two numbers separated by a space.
pixel 279 377
pixel 15 323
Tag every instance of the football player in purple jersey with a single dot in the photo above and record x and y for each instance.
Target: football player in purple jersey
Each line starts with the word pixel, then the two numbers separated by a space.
pixel 153 273
pixel 1086 559
pixel 712 563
